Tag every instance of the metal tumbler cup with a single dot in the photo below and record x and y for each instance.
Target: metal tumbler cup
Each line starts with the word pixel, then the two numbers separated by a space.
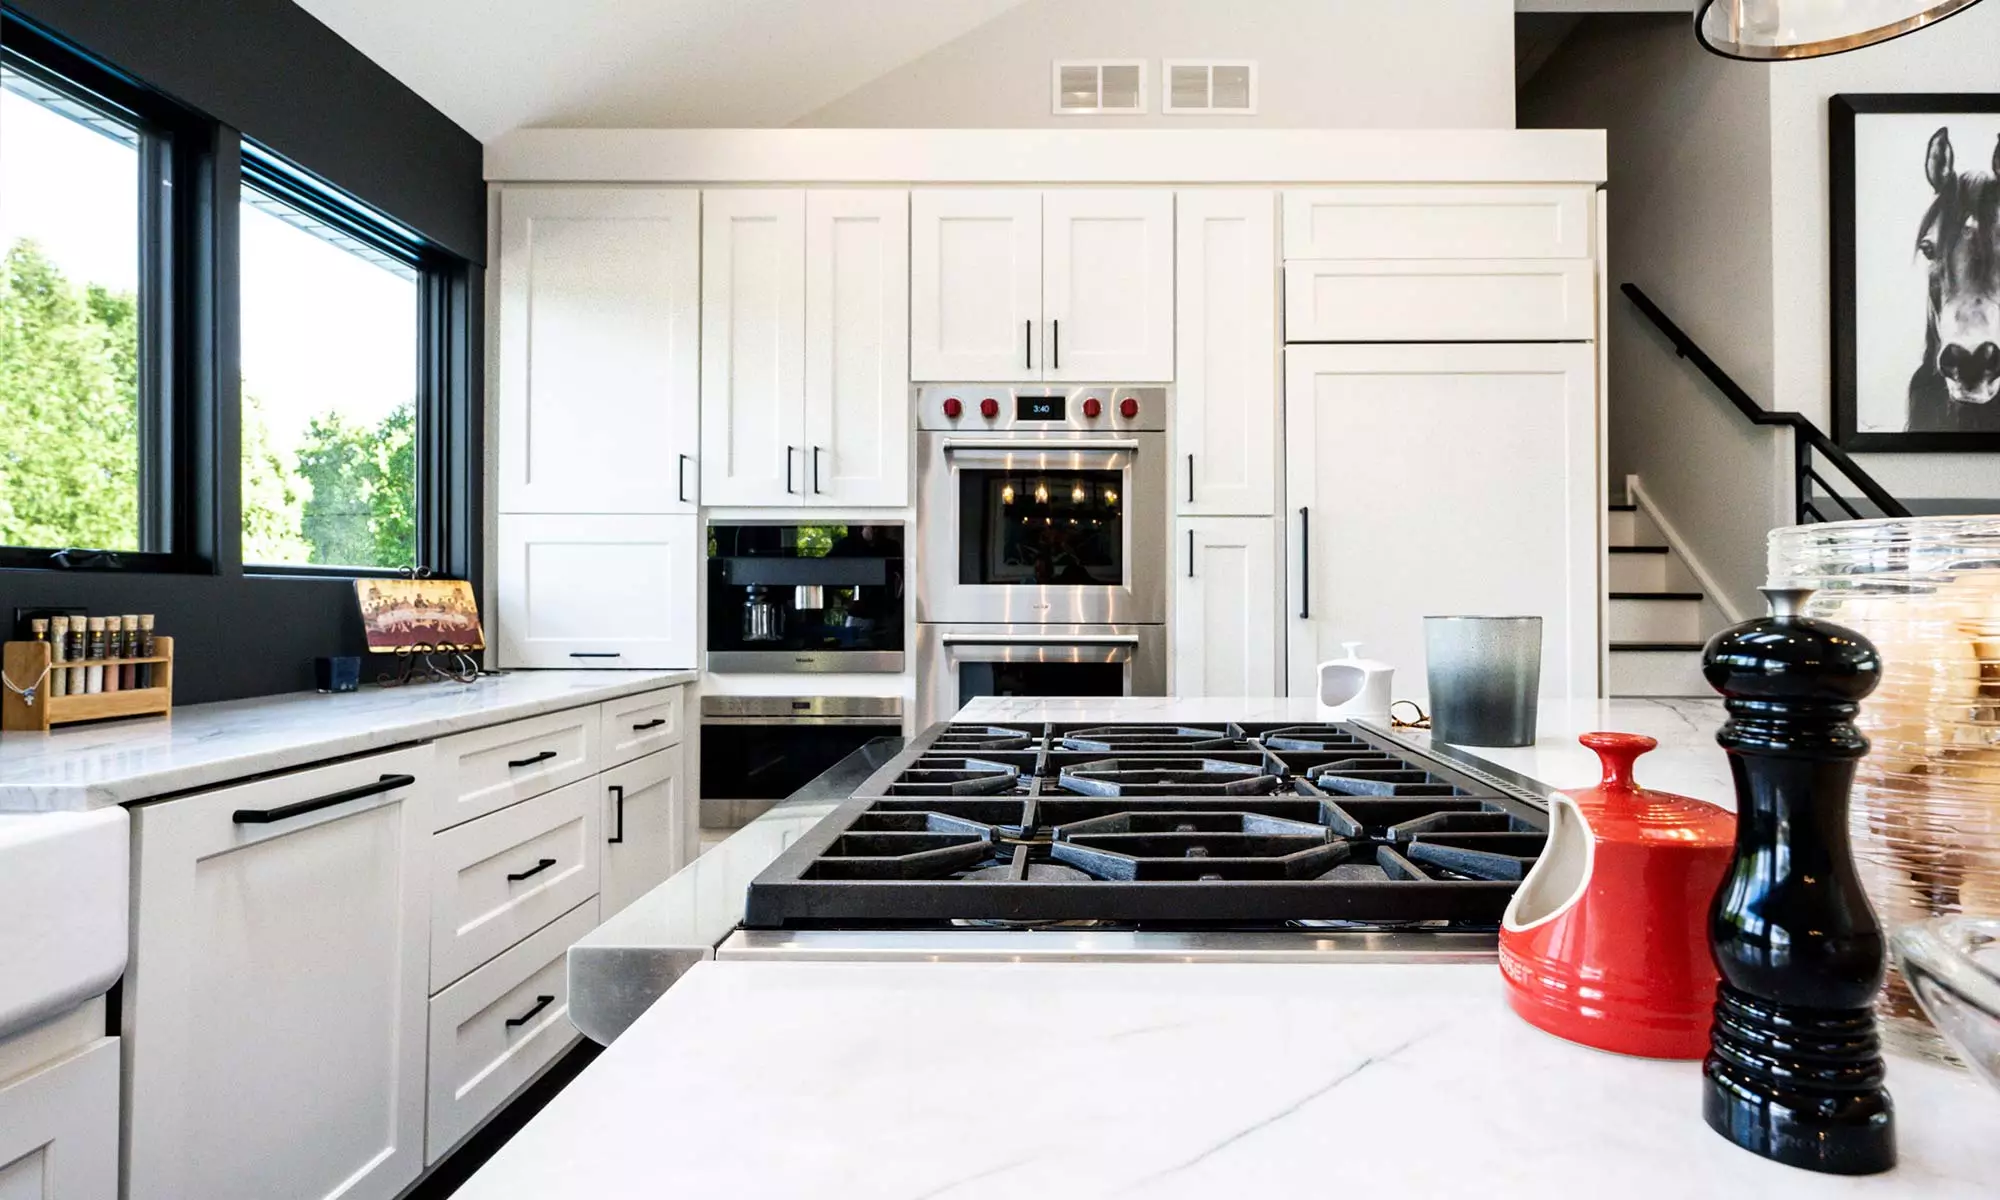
pixel 1485 674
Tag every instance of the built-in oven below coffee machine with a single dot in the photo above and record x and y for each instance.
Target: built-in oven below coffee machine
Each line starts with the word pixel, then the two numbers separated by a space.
pixel 805 599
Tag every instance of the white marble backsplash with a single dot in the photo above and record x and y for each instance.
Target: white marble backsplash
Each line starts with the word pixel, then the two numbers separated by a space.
pixel 116 762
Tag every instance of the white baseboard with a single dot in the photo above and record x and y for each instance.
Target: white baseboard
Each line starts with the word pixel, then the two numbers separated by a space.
pixel 1635 493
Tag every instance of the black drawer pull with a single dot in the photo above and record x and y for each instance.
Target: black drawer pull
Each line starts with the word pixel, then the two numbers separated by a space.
pixel 595 654
pixel 541 1002
pixel 544 756
pixel 643 726
pixel 618 837
pixel 265 816
pixel 537 869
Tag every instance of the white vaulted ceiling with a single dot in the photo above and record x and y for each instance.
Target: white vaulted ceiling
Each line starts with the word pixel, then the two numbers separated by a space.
pixel 496 65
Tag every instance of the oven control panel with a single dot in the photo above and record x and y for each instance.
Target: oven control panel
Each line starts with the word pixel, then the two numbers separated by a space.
pixel 1032 408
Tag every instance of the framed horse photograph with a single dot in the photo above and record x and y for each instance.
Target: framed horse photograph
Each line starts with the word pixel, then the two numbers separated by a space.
pixel 1916 271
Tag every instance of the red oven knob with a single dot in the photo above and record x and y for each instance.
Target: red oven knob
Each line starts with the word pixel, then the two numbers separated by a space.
pixel 1128 407
pixel 1091 407
pixel 952 408
pixel 989 408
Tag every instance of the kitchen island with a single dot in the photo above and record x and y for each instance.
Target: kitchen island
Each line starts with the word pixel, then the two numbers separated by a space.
pixel 997 1078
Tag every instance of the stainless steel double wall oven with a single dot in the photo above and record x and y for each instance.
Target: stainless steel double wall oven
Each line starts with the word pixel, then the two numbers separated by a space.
pixel 1042 530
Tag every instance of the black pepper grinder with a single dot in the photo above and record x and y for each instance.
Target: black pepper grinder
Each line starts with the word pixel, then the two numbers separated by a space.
pixel 1794 1069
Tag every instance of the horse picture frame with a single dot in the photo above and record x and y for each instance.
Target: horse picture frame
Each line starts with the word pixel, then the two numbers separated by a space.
pixel 1915 271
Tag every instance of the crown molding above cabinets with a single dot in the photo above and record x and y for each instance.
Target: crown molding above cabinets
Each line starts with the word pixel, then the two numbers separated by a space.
pixel 1132 156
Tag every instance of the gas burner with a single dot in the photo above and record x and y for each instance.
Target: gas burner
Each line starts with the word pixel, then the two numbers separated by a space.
pixel 1312 737
pixel 931 776
pixel 1167 777
pixel 963 738
pixel 1149 737
pixel 1380 775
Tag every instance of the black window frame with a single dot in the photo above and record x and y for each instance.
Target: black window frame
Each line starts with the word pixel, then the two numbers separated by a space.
pixel 174 228
pixel 191 472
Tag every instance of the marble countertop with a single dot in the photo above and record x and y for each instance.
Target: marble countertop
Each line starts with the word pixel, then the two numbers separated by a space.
pixel 980 1080
pixel 90 766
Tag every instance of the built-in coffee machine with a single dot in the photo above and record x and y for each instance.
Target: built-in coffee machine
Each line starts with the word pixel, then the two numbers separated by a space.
pixel 805 599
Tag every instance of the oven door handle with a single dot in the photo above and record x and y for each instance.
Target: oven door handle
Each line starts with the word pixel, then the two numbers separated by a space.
pixel 1035 454
pixel 1039 639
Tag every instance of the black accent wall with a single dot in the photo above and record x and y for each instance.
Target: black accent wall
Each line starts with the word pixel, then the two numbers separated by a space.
pixel 269 70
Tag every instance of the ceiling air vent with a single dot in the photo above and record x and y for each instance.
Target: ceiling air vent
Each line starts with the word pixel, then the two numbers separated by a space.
pixel 1111 86
pixel 1208 86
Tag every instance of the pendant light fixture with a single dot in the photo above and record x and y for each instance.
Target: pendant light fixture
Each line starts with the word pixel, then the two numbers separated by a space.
pixel 1769 30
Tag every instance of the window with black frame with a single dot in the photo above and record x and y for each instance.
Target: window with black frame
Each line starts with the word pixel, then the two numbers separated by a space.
pixel 331 413
pixel 85 413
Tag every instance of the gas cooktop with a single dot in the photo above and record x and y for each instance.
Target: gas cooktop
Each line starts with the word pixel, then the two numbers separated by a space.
pixel 1164 827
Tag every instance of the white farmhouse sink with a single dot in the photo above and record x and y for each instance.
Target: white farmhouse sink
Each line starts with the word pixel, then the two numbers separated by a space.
pixel 64 878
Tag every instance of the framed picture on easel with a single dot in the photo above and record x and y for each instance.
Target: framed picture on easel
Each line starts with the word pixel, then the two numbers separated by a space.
pixel 419 615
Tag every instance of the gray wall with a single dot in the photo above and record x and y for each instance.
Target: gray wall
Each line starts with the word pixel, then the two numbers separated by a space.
pixel 1690 222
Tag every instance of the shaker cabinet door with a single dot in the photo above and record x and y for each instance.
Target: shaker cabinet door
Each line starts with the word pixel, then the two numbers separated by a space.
pixel 591 591
pixel 597 349
pixel 1108 284
pixel 1502 521
pixel 857 348
pixel 1225 607
pixel 976 284
pixel 1226 355
pixel 753 433
pixel 645 801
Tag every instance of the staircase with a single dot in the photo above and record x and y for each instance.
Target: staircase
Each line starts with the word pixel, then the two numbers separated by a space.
pixel 1656 612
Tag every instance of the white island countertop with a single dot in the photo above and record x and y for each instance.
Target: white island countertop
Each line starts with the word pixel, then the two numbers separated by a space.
pixel 89 766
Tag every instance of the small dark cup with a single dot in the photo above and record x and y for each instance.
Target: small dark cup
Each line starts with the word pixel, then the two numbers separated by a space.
pixel 339 673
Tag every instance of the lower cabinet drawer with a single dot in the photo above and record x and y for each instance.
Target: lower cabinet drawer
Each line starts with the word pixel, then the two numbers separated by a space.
pixel 636 725
pixel 492 1030
pixel 488 769
pixel 500 878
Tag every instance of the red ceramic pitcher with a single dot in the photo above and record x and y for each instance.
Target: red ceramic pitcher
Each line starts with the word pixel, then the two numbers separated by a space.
pixel 1606 942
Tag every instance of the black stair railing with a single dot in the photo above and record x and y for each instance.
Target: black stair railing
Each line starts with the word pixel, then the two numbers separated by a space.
pixel 1809 486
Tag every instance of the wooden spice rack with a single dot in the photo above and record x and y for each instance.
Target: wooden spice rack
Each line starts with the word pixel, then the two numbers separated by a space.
pixel 26 662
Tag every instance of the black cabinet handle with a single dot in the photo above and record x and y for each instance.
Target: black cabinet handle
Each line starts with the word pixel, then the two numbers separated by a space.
pixel 1305 564
pixel 1190 479
pixel 540 866
pixel 595 654
pixel 789 451
pixel 817 489
pixel 683 490
pixel 1028 343
pixel 1190 554
pixel 643 726
pixel 265 816
pixel 541 1002
pixel 544 756
pixel 1055 345
pixel 618 798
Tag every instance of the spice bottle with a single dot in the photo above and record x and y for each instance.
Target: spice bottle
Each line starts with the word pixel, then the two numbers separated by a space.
pixel 94 680
pixel 77 650
pixel 144 677
pixel 58 650
pixel 110 654
pixel 128 647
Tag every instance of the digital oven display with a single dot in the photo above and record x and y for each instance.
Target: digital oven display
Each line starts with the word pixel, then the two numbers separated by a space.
pixel 1040 408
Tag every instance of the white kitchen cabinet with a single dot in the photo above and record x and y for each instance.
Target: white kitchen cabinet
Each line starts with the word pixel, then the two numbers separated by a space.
pixel 597 349
pixel 1226 353
pixel 274 1010
pixel 857 350
pixel 1108 284
pixel 753 347
pixel 1441 480
pixel 645 805
pixel 598 591
pixel 976 284
pixel 633 726
pixel 1226 607
pixel 59 1128
pixel 485 770
pixel 1469 300
pixel 1439 222
pixel 498 879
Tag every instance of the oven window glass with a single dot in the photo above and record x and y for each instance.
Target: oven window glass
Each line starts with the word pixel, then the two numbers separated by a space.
pixel 1036 529
pixel 1038 679
pixel 770 762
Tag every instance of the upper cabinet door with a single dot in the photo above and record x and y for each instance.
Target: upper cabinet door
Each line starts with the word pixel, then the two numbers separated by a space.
pixel 1438 222
pixel 858 347
pixel 598 365
pixel 1226 361
pixel 1108 285
pixel 598 591
pixel 976 285
pixel 753 444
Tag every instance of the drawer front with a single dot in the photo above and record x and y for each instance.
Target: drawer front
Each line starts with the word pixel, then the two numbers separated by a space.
pixel 639 725
pixel 489 769
pixel 494 1029
pixel 1438 222
pixel 500 878
pixel 1532 300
